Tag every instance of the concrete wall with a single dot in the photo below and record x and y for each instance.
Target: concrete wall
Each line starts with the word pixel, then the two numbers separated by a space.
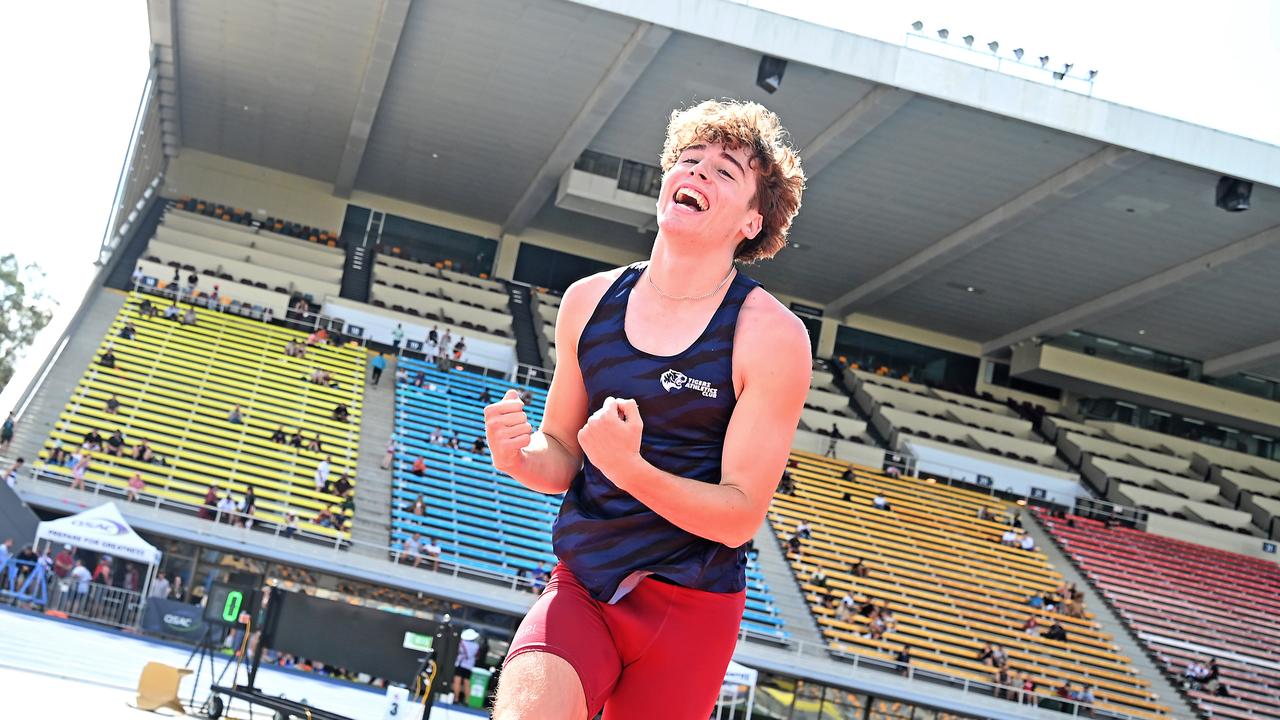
pixel 1193 532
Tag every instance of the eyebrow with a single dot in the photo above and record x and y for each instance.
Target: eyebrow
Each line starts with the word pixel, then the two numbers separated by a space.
pixel 723 154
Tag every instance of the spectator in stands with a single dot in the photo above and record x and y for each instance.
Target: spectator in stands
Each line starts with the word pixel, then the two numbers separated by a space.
pixel 1005 688
pixel 876 628
pixel 787 485
pixel 1031 626
pixel 340 413
pixel 1027 543
pixel 1028 686
pixel 880 502
pixel 115 444
pixel 64 561
pixel 11 475
pixel 999 657
pixel 437 438
pixel 1056 632
pixel 478 447
pixel 314 445
pixel 278 436
pixel 135 488
pixel 468 655
pixel 818 577
pixel 459 348
pixel 6 551
pixel 247 506
pixel 235 417
pixel 1086 698
pixel 325 517
pixel 803 531
pixel 178 592
pixel 794 546
pixel 433 339
pixel 1036 602
pixel 295 440
pixel 432 549
pixel 844 611
pixel 1212 672
pixel 379 363
pixel 78 470
pixel 227 509
pixel 983 514
pixel 322 473
pixel 128 331
pixel 147 310
pixel 857 569
pixel 341 486
pixel 412 546
pixel 1009 537
pixel 136 277
pixel 6 432
pixel 318 337
pixel 192 281
pixel 485 398
pixel 835 432
pixel 984 654
pixel 455 442
pixel 392 444
pixel 172 312
pixel 540 574
pixel 189 317
pixel 419 466
pixel 92 440
pixel 58 456
pixel 82 578
pixel 112 405
pixel 419 507
pixel 108 359
pixel 290 524
pixel 903 658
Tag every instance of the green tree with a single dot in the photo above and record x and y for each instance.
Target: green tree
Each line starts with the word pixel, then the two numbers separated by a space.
pixel 24 309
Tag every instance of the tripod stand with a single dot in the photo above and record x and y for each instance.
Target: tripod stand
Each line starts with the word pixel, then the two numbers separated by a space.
pixel 203 650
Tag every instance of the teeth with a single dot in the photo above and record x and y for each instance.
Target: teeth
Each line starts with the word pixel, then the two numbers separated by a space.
pixel 693 195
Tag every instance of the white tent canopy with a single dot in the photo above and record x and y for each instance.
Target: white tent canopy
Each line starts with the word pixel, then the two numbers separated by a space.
pixel 739 688
pixel 101 529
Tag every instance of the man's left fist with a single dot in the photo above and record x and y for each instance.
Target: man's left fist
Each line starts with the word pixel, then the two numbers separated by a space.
pixel 611 437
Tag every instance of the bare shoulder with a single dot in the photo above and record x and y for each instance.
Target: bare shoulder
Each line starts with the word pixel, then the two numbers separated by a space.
pixel 773 337
pixel 581 298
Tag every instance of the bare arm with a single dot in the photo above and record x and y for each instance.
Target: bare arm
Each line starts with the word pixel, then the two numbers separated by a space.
pixel 547 460
pixel 777 367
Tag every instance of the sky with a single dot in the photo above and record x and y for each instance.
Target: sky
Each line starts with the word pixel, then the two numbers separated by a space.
pixel 76 86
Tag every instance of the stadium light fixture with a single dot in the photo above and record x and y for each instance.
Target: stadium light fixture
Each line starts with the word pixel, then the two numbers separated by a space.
pixel 769 74
pixel 917 26
pixel 968 40
pixel 1058 75
pixel 944 33
pixel 1017 53
pixel 993 46
pixel 1066 68
pixel 1092 74
pixel 1044 61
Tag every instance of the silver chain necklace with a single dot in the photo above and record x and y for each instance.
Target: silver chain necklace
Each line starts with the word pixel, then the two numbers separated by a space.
pixel 649 275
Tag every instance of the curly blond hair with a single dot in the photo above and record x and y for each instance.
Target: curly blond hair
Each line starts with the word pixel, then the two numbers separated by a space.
pixel 779 178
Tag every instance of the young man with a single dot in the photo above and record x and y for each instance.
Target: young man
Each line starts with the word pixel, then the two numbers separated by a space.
pixel 668 424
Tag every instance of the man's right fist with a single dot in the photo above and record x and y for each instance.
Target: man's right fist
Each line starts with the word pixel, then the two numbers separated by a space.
pixel 508 431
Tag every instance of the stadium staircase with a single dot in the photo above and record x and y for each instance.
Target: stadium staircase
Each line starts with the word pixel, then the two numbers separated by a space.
pixel 372 521
pixel 1104 613
pixel 357 271
pixel 791 607
pixel 519 299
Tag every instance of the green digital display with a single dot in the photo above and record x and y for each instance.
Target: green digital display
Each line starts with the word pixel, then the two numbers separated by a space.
pixel 231 606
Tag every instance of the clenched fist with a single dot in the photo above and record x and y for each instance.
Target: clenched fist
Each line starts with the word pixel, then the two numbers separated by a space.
pixel 508 430
pixel 611 437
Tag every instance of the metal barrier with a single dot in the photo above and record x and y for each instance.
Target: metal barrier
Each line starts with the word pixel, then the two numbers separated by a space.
pixel 97 603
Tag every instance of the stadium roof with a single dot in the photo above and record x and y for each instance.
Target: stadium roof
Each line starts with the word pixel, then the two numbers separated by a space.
pixel 943 195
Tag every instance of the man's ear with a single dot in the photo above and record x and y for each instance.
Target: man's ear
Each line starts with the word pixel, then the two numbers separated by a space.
pixel 752 226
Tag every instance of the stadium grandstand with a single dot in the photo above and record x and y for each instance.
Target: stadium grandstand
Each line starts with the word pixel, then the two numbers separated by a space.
pixel 1037 470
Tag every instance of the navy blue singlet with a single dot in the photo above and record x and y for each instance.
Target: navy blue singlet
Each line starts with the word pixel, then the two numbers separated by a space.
pixel 609 539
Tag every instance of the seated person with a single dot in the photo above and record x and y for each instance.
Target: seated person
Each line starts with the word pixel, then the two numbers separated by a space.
pixel 146 309
pixel 278 435
pixel 478 447
pixel 314 445
pixel 340 413
pixel 235 417
pixel 325 518
pixel 58 455
pixel 128 331
pixel 419 466
pixel 113 404
pixel 115 443
pixel 317 337
pixel 108 359
pixel 880 502
pixel 171 312
pixel 1056 632
pixel 296 439
pixel 92 440
pixel 341 486
pixel 189 317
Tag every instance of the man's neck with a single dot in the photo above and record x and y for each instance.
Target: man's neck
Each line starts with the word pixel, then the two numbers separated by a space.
pixel 682 271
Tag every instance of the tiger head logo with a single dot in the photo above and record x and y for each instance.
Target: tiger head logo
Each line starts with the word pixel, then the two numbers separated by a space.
pixel 673 380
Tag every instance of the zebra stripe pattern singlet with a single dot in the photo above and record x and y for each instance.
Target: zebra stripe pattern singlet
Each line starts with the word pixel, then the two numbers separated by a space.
pixel 606 537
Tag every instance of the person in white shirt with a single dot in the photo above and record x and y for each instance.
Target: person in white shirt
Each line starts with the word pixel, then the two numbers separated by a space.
pixel 136 277
pixel 412 550
pixel 227 508
pixel 1009 537
pixel 322 474
pixel 82 577
pixel 880 502
pixel 468 652
pixel 1028 542
pixel 433 552
pixel 397 336
pixel 6 550
pixel 392 445
pixel 159 586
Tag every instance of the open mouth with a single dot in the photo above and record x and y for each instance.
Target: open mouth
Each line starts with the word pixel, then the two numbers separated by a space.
pixel 691 198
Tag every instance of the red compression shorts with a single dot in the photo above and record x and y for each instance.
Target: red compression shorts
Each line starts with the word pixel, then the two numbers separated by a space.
pixel 659 652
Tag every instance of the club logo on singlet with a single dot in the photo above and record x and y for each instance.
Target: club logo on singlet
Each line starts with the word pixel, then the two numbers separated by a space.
pixel 676 380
